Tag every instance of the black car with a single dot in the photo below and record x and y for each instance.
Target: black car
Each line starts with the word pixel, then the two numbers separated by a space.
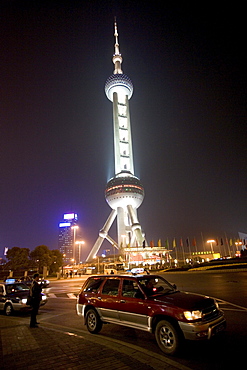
pixel 13 297
pixel 28 281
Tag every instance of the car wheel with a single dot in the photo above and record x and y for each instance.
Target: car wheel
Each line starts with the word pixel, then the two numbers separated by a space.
pixel 93 322
pixel 168 337
pixel 8 309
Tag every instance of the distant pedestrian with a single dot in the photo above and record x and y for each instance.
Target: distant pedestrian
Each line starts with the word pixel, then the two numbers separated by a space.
pixel 35 292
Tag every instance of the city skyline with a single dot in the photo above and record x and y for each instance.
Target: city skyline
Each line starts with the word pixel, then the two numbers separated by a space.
pixel 188 115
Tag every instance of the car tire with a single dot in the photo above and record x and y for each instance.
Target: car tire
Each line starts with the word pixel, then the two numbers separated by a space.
pixel 168 337
pixel 93 322
pixel 8 309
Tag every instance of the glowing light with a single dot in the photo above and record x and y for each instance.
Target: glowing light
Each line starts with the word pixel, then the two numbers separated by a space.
pixel 64 224
pixel 70 216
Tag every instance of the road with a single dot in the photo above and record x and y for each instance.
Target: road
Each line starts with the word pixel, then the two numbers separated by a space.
pixel 229 288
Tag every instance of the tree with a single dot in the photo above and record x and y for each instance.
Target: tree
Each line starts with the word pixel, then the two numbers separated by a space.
pixel 41 257
pixel 18 258
pixel 57 260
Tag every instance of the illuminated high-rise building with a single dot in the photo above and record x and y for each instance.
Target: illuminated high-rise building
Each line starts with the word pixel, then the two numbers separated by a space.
pixel 66 237
pixel 124 192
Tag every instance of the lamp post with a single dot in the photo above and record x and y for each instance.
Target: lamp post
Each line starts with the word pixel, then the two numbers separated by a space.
pixel 74 230
pixel 79 243
pixel 211 241
pixel 98 264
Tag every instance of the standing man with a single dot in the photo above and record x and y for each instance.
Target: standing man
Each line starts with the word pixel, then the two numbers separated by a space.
pixel 35 293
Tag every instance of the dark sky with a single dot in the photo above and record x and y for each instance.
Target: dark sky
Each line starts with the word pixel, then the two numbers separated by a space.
pixel 188 114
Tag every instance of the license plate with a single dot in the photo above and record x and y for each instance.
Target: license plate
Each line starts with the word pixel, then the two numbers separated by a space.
pixel 219 328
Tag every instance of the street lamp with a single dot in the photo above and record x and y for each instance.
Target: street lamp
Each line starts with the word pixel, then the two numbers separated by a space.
pixel 74 229
pixel 211 241
pixel 79 242
pixel 98 268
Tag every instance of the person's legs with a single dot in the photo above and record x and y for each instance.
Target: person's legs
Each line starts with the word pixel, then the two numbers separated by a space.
pixel 34 314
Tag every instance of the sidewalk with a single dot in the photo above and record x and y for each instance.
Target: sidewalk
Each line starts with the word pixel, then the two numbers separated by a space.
pixel 48 347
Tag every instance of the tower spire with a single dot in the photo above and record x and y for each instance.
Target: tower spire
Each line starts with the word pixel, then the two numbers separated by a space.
pixel 117 58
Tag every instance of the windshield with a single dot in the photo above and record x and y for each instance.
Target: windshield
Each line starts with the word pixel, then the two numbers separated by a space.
pixel 155 285
pixel 12 288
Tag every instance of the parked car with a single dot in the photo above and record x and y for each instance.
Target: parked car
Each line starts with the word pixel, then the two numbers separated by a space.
pixel 150 303
pixel 13 297
pixel 28 281
pixel 139 271
pixel 44 282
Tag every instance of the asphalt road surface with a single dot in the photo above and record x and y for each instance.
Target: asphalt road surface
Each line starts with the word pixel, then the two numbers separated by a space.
pixel 223 352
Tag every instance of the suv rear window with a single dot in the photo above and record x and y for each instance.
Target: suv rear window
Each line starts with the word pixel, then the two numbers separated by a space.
pixel 131 289
pixel 93 285
pixel 111 287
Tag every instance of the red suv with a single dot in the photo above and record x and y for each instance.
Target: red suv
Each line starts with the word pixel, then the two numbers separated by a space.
pixel 150 303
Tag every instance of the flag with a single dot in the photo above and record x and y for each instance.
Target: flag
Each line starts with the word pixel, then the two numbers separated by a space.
pixel 5 251
pixel 187 242
pixel 181 242
pixel 167 243
pixel 230 242
pixel 174 243
pixel 194 242
pixel 143 244
pixel 216 241
pixel 221 242
pixel 159 243
pixel 151 243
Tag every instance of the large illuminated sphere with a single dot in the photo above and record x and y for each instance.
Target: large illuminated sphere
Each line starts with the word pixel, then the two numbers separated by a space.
pixel 123 190
pixel 119 83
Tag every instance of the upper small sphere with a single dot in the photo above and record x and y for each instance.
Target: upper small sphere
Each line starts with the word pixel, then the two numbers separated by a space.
pixel 119 83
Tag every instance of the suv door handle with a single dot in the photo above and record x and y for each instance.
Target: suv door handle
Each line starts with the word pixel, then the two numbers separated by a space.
pixel 122 301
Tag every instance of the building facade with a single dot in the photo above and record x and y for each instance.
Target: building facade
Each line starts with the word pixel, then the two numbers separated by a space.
pixel 67 238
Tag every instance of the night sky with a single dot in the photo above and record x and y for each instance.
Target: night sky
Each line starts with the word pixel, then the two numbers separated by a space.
pixel 188 115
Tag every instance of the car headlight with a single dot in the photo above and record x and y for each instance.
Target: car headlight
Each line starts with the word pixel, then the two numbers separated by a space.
pixel 24 300
pixel 193 315
pixel 44 297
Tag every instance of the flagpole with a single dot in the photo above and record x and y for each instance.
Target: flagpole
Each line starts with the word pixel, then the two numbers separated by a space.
pixel 203 245
pixel 189 247
pixel 181 243
pixel 175 246
pixel 228 245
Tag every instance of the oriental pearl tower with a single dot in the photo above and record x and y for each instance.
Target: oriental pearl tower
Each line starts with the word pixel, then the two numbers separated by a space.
pixel 124 192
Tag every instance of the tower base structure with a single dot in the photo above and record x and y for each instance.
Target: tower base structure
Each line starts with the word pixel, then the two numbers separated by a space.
pixel 124 193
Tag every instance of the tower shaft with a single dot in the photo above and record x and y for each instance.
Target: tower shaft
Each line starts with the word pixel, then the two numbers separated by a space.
pixel 123 152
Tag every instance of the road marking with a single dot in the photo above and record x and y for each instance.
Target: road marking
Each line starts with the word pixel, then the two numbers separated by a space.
pixel 51 295
pixel 71 296
pixel 235 306
pixel 65 296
